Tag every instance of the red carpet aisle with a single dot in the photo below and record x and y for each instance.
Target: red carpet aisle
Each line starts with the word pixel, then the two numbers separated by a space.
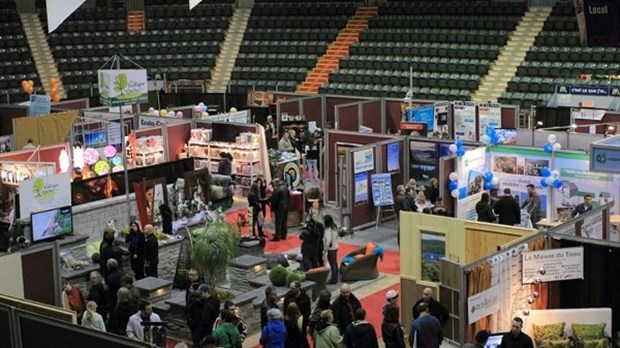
pixel 373 304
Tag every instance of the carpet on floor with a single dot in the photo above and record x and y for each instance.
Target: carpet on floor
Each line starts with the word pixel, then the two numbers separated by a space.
pixel 373 304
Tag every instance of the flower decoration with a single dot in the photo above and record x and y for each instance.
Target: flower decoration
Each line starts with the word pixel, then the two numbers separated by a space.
pixel 102 167
pixel 117 160
pixel 91 156
pixel 109 151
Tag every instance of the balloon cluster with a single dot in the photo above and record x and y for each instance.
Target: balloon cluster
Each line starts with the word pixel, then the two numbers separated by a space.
pixel 550 178
pixel 28 86
pixel 453 185
pixel 165 113
pixel 457 148
pixel 201 109
pixel 552 144
pixel 491 137
pixel 490 181
pixel 54 90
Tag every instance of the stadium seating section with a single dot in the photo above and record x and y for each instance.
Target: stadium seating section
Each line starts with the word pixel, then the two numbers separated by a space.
pixel 557 58
pixel 448 46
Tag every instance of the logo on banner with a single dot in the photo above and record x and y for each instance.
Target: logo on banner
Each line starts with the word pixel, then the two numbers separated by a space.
pixel 122 87
pixel 41 190
pixel 601 158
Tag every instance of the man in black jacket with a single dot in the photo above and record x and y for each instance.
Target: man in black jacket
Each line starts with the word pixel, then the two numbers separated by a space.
pixel 360 333
pixel 508 210
pixel 344 307
pixel 484 210
pixel 210 311
pixel 151 252
pixel 312 243
pixel 279 204
pixel 299 297
pixel 271 301
pixel 100 293
pixel 435 308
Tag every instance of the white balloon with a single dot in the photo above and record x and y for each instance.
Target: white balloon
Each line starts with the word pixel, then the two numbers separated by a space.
pixel 205 114
pixel 233 109
pixel 455 193
pixel 180 114
pixel 151 109
pixel 557 147
pixel 549 180
pixel 201 104
pixel 495 181
pixel 155 113
pixel 452 148
pixel 552 138
pixel 485 139
pixel 453 176
pixel 555 174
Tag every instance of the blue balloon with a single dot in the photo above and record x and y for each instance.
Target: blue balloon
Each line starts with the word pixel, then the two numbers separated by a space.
pixel 488 176
pixel 488 185
pixel 490 131
pixel 453 185
pixel 548 148
pixel 494 139
pixel 460 152
pixel 458 143
pixel 545 172
pixel 557 183
pixel 543 183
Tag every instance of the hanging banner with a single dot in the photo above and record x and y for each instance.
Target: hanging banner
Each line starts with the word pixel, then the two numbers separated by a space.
pixel 44 193
pixel 471 170
pixel 118 87
pixel 363 160
pixel 558 264
pixel 361 187
pixel 242 116
pixel 464 120
pixel 59 10
pixel 489 114
pixel 587 114
pixel 381 185
pixel 483 304
pixel 393 154
pixel 39 105
pixel 578 180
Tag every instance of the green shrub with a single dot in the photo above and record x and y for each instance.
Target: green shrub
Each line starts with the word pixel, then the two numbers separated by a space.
pixel 299 276
pixel 96 257
pixel 278 275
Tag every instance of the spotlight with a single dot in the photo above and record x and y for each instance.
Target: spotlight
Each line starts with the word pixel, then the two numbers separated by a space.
pixel 542 271
pixel 610 132
pixel 536 294
pixel 526 312
pixel 537 281
pixel 538 125
pixel 530 300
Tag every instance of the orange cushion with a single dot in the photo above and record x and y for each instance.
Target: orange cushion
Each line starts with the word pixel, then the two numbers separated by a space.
pixel 370 247
pixel 317 270
pixel 358 256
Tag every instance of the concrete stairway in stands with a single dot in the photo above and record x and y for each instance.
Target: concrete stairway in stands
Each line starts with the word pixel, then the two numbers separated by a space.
pixel 225 62
pixel 41 52
pixel 338 49
pixel 504 68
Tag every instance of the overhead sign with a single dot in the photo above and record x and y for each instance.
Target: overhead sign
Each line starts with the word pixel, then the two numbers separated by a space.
pixel 587 114
pixel 483 304
pixel 40 105
pixel 363 160
pixel 605 155
pixel 44 193
pixel 118 87
pixel 588 90
pixel 155 121
pixel 553 265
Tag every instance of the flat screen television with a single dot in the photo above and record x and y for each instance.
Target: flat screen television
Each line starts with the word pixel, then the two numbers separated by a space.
pixel 51 224
pixel 494 340
pixel 223 132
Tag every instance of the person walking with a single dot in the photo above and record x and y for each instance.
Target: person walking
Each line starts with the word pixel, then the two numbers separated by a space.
pixel 124 309
pixel 312 241
pixel 392 300
pixel 344 307
pixel 322 304
pixel 136 244
pixel 360 333
pixel 151 252
pixel 298 296
pixel 295 333
pixel 225 335
pixel 330 243
pixel 280 200
pixel 508 210
pixel 425 331
pixel 483 209
pixel 254 203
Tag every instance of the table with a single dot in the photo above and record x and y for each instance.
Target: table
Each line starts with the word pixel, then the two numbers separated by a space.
pixel 548 224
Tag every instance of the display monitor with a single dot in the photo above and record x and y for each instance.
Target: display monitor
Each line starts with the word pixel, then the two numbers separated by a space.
pixel 494 341
pixel 51 224
pixel 223 132
pixel 507 136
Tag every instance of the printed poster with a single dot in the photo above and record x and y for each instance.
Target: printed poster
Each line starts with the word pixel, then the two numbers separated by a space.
pixel 559 264
pixel 471 170
pixel 118 87
pixel 464 120
pixel 44 193
pixel 489 114
pixel 361 187
pixel 382 189
pixel 363 160
pixel 483 304
pixel 393 152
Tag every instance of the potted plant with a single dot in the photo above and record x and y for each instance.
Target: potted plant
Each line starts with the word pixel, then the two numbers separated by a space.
pixel 215 246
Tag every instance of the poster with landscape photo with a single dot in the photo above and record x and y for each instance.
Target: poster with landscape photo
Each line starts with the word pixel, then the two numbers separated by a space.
pixel 433 248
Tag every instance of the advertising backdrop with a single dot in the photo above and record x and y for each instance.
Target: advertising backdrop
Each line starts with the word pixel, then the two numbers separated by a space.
pixel 470 169
pixel 44 193
pixel 464 120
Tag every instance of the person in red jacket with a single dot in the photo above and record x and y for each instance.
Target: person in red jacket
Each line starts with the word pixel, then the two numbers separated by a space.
pixel 72 299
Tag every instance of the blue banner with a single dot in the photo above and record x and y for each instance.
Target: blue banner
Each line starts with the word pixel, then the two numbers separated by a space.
pixel 425 114
pixel 40 105
pixel 393 162
pixel 587 90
